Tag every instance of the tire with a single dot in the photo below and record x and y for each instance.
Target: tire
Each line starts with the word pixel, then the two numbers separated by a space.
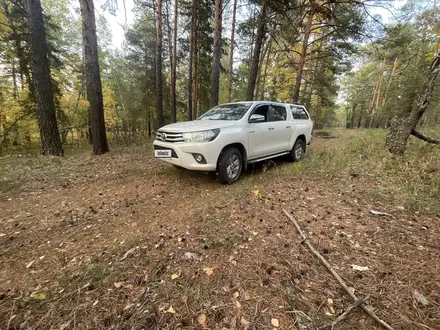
pixel 298 150
pixel 229 166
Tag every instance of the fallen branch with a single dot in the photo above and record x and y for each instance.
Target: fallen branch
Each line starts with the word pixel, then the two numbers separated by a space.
pixel 344 315
pixel 336 275
pixel 5 156
pixel 420 136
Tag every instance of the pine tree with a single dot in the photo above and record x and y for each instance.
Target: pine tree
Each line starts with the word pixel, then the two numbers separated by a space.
pixel 215 76
pixel 50 137
pixel 93 78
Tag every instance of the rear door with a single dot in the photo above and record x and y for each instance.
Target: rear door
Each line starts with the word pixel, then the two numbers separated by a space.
pixel 260 134
pixel 301 121
pixel 282 128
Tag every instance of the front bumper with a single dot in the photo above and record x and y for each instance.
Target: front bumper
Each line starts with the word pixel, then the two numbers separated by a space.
pixel 182 154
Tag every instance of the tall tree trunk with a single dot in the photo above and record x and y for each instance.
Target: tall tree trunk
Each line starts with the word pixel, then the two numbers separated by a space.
pixel 260 67
pixel 376 107
pixel 174 66
pixel 305 44
pixel 261 31
pixel 93 78
pixel 231 51
pixel 312 77
pixel 196 76
pixel 393 72
pixel 196 98
pixel 170 47
pixel 307 95
pixel 374 104
pixel 352 115
pixel 400 129
pixel 2 124
pixel 159 78
pixel 47 121
pixel 190 60
pixel 217 51
pixel 14 80
pixel 359 122
pixel 263 85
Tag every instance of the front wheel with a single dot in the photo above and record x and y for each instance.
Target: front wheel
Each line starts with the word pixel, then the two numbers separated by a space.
pixel 229 166
pixel 297 152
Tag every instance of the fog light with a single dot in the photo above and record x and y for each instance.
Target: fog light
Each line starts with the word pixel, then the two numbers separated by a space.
pixel 199 158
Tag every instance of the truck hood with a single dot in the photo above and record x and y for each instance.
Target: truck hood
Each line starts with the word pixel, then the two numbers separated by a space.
pixel 197 125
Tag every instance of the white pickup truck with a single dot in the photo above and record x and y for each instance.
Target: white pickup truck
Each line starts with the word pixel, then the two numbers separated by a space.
pixel 230 136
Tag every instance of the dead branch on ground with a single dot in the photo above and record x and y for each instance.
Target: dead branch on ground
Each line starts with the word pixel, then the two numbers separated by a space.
pixel 344 315
pixel 420 136
pixel 336 275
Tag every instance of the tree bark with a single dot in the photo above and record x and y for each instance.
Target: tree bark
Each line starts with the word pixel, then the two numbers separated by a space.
pixel 47 121
pixel 305 44
pixel 174 66
pixel 190 59
pixel 217 50
pixel 263 85
pixel 376 107
pixel 14 80
pixel 393 72
pixel 307 100
pixel 159 78
pixel 170 50
pixel 400 129
pixel 260 67
pixel 231 51
pixel 261 31
pixel 93 78
pixel 196 76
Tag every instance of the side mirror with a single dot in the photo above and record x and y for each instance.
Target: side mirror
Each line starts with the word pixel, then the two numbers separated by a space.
pixel 255 118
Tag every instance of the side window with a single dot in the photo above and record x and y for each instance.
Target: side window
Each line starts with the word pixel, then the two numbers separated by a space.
pixel 262 110
pixel 279 113
pixel 298 112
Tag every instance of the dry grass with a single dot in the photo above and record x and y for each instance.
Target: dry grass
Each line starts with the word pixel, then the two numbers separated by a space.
pixel 114 229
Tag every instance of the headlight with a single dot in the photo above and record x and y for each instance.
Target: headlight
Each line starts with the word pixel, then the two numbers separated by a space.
pixel 204 136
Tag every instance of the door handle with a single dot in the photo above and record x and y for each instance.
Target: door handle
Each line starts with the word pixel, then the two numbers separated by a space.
pixel 251 131
pixel 288 126
pixel 271 128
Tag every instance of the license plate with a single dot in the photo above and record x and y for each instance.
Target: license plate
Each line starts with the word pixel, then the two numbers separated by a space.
pixel 162 153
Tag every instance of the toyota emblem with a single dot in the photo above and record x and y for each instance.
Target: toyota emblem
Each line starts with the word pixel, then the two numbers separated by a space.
pixel 164 136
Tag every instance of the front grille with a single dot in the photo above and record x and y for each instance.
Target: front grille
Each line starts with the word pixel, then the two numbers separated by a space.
pixel 173 153
pixel 169 136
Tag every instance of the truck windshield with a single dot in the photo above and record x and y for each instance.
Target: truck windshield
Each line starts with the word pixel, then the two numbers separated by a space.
pixel 231 111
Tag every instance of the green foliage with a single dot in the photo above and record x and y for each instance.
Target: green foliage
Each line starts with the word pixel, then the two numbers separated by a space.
pixel 412 182
pixel 392 72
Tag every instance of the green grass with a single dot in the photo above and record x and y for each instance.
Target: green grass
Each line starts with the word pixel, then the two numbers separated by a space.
pixel 411 180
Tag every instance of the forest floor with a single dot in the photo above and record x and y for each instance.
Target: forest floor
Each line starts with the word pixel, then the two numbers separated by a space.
pixel 124 241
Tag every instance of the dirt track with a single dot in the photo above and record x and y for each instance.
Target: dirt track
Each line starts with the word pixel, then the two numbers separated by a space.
pixel 102 237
